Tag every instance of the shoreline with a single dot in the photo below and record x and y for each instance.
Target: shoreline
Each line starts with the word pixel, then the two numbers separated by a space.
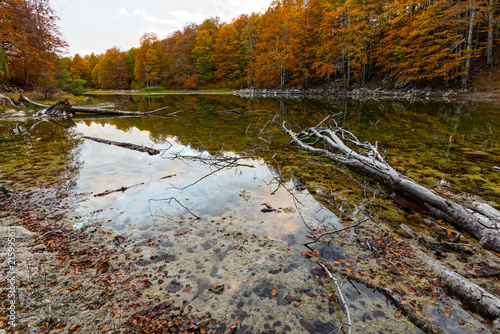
pixel 377 93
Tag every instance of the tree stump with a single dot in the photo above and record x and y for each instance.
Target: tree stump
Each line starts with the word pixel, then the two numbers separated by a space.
pixel 61 108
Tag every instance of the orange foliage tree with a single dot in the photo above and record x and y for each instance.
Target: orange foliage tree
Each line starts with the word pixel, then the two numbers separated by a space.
pixel 111 72
pixel 30 40
pixel 228 58
pixel 80 69
pixel 147 66
pixel 180 69
pixel 296 43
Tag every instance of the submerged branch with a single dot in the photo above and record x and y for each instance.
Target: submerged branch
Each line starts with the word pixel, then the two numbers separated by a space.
pixel 122 189
pixel 338 286
pixel 170 199
pixel 150 151
pixel 316 239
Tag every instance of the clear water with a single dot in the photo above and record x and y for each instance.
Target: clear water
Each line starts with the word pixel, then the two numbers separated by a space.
pixel 208 218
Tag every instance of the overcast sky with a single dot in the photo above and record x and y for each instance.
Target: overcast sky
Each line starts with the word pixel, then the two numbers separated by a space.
pixel 97 25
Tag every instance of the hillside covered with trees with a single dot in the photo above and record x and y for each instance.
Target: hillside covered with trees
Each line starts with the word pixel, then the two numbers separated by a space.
pixel 295 43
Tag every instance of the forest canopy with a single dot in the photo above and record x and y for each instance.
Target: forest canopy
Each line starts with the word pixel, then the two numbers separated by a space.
pixel 295 43
pixel 30 42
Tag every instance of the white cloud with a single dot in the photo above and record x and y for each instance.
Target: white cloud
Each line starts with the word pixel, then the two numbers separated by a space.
pixel 123 12
pixel 86 29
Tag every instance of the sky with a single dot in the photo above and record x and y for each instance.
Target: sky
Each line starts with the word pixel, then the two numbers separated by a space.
pixel 97 25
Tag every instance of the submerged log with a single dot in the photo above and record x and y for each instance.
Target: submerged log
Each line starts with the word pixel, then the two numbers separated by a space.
pixel 345 148
pixel 473 295
pixel 148 150
pixel 71 109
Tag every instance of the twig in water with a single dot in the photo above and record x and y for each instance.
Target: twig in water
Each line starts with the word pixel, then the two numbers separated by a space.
pixel 336 231
pixel 169 200
pixel 338 285
pixel 122 189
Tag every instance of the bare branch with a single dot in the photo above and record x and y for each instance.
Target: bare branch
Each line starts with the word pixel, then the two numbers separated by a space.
pixel 169 200
pixel 338 286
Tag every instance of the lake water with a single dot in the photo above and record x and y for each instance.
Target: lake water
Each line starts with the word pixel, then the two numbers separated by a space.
pixel 221 158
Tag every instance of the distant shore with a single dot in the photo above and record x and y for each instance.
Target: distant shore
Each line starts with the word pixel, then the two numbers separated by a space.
pixel 372 93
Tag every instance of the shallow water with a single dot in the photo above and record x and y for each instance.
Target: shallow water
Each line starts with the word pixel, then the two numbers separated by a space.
pixel 207 219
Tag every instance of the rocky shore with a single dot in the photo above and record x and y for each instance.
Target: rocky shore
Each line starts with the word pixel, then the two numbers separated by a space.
pixel 369 93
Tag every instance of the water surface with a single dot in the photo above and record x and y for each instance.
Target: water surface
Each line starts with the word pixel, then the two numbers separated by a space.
pixel 203 210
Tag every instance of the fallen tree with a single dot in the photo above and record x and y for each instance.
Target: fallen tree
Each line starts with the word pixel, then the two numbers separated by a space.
pixel 148 150
pixel 473 295
pixel 65 108
pixel 344 147
pixel 6 101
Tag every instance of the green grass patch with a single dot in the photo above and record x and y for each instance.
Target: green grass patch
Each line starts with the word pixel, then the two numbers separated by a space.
pixel 152 89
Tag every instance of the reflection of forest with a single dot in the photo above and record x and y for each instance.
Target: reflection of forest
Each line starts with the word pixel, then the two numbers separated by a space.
pixel 42 152
pixel 431 140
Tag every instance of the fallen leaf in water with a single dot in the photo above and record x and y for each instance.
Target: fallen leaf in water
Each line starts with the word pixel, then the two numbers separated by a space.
pixel 398 314
pixel 274 292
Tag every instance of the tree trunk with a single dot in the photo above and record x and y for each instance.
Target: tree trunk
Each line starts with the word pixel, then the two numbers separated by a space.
pixel 465 77
pixel 489 41
pixel 473 295
pixel 60 109
pixel 335 146
pixel 90 110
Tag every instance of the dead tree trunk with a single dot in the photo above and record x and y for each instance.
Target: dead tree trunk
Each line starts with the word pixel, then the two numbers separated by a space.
pixel 335 143
pixel 61 108
pixel 70 109
pixel 478 298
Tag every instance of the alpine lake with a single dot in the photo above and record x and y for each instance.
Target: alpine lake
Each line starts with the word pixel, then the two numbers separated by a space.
pixel 198 205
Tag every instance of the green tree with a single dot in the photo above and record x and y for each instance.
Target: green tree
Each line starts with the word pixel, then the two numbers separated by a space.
pixel 3 65
pixel 204 49
pixel 130 59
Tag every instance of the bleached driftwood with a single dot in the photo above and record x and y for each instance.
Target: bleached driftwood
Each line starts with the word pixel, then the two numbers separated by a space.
pixel 345 148
pixel 65 108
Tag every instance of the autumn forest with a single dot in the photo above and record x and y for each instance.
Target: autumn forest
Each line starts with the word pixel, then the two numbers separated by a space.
pixel 295 43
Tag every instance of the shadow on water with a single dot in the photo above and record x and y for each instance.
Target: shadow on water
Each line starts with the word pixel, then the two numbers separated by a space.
pixel 269 286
